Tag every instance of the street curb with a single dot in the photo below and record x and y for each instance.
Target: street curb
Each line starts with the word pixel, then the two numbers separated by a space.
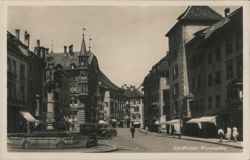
pixel 114 148
pixel 223 144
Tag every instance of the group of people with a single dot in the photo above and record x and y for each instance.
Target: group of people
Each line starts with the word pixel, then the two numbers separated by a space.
pixel 229 134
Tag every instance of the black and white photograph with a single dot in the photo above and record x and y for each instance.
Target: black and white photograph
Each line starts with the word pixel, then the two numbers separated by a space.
pixel 130 79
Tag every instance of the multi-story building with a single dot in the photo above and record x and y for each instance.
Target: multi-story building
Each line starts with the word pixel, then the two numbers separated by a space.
pixel 77 72
pixel 36 80
pixel 195 18
pixel 134 101
pixel 85 94
pixel 156 88
pixel 112 101
pixel 215 72
pixel 24 80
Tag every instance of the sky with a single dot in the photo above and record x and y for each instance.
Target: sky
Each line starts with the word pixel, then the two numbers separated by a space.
pixel 127 40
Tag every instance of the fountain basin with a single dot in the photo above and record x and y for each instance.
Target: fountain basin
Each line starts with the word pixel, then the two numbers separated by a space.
pixel 51 140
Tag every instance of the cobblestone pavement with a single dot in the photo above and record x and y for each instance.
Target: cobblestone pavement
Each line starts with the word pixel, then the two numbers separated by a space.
pixel 152 143
pixel 142 143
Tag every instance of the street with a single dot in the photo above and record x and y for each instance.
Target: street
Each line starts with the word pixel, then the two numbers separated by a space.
pixel 142 143
pixel 152 143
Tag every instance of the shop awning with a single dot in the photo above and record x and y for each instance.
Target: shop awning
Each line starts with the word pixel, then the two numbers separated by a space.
pixel 102 122
pixel 194 120
pixel 157 123
pixel 210 119
pixel 174 121
pixel 28 117
pixel 136 122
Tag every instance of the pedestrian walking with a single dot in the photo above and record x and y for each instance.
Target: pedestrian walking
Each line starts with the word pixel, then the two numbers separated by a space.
pixel 229 134
pixel 235 134
pixel 146 129
pixel 132 130
pixel 221 135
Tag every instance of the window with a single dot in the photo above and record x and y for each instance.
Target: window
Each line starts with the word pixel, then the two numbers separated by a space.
pixel 136 109
pixel 199 58
pixel 138 116
pixel 196 105
pixel 22 71
pixel 202 104
pixel 9 90
pixel 14 91
pixel 175 72
pixel 199 82
pixel 217 77
pixel 229 70
pixel 217 54
pixel 229 46
pixel 138 102
pixel 84 88
pixel 72 87
pixel 83 76
pixel 14 66
pixel 193 83
pixel 209 58
pixel 194 60
pixel 210 103
pixel 190 62
pixel 176 109
pixel 217 101
pixel 210 80
pixel 176 90
pixel 9 64
pixel 239 67
pixel 22 92
pixel 238 41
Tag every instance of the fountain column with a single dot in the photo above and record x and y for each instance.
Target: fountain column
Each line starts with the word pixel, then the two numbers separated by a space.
pixel 50 111
pixel 50 83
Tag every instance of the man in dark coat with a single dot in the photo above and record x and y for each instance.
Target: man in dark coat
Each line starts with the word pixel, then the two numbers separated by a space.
pixel 132 130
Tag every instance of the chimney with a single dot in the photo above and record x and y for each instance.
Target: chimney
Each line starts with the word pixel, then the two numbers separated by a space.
pixel 47 50
pixel 27 39
pixel 71 48
pixel 65 50
pixel 38 50
pixel 38 43
pixel 226 12
pixel 18 34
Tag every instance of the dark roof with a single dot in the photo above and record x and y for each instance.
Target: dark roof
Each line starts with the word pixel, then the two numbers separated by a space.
pixel 199 13
pixel 159 68
pixel 17 46
pixel 132 93
pixel 220 24
pixel 216 27
pixel 107 82
pixel 66 59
